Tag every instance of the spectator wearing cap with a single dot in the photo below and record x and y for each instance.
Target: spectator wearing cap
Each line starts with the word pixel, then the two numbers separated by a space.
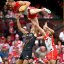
pixel 3 39
pixel 12 30
pixel 4 52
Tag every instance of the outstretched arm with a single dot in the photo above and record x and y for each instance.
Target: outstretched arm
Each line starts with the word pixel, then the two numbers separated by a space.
pixel 24 5
pixel 40 37
pixel 27 3
pixel 39 28
pixel 51 30
pixel 20 28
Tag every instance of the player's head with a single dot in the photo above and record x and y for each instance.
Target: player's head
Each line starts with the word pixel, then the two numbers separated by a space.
pixel 43 48
pixel 10 4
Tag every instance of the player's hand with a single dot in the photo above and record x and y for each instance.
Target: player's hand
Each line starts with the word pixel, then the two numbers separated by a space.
pixel 46 10
pixel 45 26
pixel 17 15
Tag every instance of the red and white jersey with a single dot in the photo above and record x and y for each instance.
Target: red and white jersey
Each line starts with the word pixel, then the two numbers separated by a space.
pixel 51 49
pixel 16 7
pixel 49 41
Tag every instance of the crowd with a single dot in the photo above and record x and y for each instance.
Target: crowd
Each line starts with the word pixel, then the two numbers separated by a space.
pixel 12 41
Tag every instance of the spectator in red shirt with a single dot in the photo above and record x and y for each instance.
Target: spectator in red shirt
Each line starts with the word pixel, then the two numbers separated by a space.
pixel 61 57
pixel 9 41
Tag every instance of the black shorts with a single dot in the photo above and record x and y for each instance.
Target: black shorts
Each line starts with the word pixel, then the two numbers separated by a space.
pixel 26 55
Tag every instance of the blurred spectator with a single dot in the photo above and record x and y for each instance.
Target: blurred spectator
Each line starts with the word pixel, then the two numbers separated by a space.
pixel 5 10
pixel 1 14
pixel 59 44
pixel 11 23
pixel 61 57
pixel 61 36
pixel 17 42
pixel 12 33
pixel 10 14
pixel 36 45
pixel 41 51
pixel 3 40
pixel 14 55
pixel 9 41
pixel 4 53
pixel 1 60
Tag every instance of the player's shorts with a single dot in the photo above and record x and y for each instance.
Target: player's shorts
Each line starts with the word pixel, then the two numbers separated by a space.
pixel 52 55
pixel 26 55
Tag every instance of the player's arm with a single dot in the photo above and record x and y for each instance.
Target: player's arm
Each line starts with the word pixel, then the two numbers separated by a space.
pixel 19 27
pixel 27 3
pixel 39 28
pixel 24 5
pixel 40 37
pixel 51 30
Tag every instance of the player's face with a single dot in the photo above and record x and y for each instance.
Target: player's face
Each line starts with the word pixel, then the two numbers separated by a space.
pixel 11 4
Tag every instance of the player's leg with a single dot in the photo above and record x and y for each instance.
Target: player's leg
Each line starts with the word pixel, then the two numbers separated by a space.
pixel 19 61
pixel 53 61
pixel 25 62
